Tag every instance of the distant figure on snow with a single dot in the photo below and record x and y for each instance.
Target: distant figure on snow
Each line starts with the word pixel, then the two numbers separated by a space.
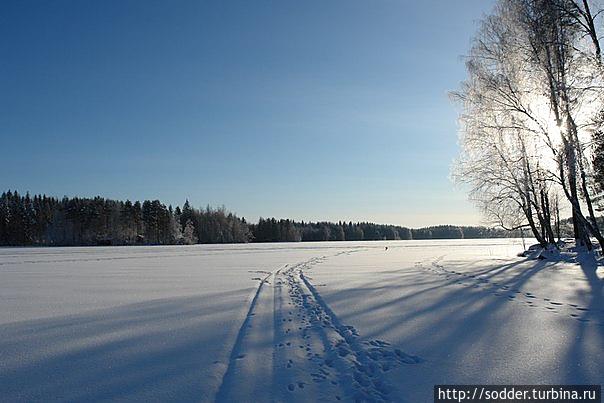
pixel 385 248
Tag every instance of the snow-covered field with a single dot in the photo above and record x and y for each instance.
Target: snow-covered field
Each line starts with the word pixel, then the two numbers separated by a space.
pixel 292 322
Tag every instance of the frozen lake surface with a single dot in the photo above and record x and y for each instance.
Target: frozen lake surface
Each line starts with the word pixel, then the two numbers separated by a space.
pixel 292 322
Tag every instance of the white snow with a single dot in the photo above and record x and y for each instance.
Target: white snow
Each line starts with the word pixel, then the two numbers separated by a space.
pixel 293 322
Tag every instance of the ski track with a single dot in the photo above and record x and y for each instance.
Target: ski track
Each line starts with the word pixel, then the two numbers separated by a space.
pixel 499 289
pixel 292 347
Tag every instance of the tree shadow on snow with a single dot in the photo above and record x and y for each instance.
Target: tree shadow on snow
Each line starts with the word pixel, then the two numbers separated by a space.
pixel 456 315
pixel 155 350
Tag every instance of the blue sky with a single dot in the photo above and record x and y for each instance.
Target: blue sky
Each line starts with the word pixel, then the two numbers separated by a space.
pixel 314 110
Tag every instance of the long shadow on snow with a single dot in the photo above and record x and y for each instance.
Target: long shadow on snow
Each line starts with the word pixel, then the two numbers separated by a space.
pixel 145 351
pixel 467 313
pixel 582 349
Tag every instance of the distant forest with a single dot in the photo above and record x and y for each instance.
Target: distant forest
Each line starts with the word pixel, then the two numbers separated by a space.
pixel 45 221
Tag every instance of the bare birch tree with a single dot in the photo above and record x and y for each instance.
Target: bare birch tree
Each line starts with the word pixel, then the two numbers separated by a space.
pixel 533 96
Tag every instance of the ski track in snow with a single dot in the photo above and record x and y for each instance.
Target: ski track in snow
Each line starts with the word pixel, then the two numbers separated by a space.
pixel 291 346
pixel 499 289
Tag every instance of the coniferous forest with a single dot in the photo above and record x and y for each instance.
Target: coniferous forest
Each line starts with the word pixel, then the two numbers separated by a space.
pixel 48 221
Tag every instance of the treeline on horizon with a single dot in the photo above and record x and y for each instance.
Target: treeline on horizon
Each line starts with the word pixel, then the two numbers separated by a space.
pixel 47 221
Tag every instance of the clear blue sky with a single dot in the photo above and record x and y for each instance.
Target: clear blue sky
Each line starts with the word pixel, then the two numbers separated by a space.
pixel 321 110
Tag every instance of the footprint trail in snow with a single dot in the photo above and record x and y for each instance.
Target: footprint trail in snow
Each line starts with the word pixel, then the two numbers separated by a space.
pixel 292 347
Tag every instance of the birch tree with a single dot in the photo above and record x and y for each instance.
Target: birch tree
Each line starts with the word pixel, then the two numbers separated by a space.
pixel 534 97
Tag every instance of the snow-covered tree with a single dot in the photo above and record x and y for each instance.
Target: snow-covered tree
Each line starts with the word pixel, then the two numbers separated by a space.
pixel 188 234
